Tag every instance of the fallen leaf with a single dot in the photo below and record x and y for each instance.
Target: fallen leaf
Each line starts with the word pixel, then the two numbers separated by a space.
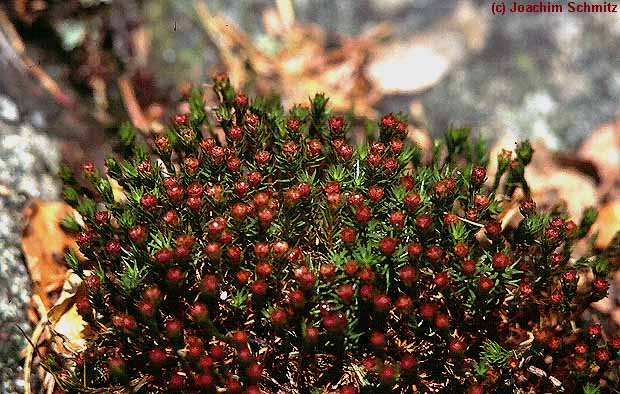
pixel 602 148
pixel 607 224
pixel 44 243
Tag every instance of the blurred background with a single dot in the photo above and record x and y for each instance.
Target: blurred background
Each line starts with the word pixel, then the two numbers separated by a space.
pixel 71 70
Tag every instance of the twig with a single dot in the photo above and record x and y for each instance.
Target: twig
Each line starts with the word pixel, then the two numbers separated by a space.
pixel 34 341
pixel 132 105
pixel 470 222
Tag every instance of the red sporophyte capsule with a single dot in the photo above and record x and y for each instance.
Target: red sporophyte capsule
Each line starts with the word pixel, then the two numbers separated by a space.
pixel 381 302
pixel 296 298
pixel 83 238
pixel 481 201
pixel 423 221
pixel 262 158
pixel 207 144
pixel 441 279
pixel 408 182
pixel 191 164
pixel 600 285
pixel 468 267
pixel 251 120
pixel 374 159
pixel 602 354
pixel 557 222
pixel 581 348
pixel 336 124
pixel 241 100
pixel 254 371
pixel 387 375
pixel 171 218
pixel 157 356
pixel 163 256
pixel 213 250
pixel 261 250
pixel 500 261
pixel 293 124
pixel 82 304
pixel 209 284
pixel 350 268
pixel 485 284
pixel 217 154
pixel 204 380
pixel 556 259
pixel 450 219
pixel 377 147
pixel 396 145
pixel 311 335
pixel 366 291
pixel 580 364
pixel 377 339
pixel 263 269
pixel 363 214
pixel 594 330
pixel 556 297
pixel 315 147
pixel 243 276
pixel 152 294
pixel 290 148
pixel 327 271
pixel 348 390
pixel 414 250
pixel 162 143
pixel 234 253
pixel 102 217
pixel 551 233
pixel 148 201
pixel 92 281
pixel 265 216
pixel 478 175
pixel 254 178
pixel 278 317
pixel 375 193
pixel 388 245
pixel 390 165
pixel 348 235
pixel 389 121
pixel 175 275
pixel 370 363
pixel 614 342
pixel 493 227
pixel 442 321
pixel 199 311
pixel 180 119
pixel 461 249
pixel 366 274
pixel 397 219
pixel 137 233
pixel 554 343
pixel 346 293
pixel 259 287
pixel 112 247
pixel 345 152
pixel 408 362
pixel 88 168
pixel 475 389
pixel 174 193
pixel 412 200
pixel 146 308
pixel 456 346
pixel 233 164
pixel 408 275
pixel 235 133
pixel 356 199
pixel 428 310
pixel 176 381
pixel 434 253
pixel 526 289
pixel 403 303
pixel 173 328
pixel 471 214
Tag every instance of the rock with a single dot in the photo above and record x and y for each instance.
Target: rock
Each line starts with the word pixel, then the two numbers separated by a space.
pixel 28 162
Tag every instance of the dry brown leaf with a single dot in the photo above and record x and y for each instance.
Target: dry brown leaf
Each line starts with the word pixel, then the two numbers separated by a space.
pixel 603 149
pixel 44 243
pixel 607 224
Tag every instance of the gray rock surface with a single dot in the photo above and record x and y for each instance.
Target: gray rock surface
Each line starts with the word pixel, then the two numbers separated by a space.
pixel 28 162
